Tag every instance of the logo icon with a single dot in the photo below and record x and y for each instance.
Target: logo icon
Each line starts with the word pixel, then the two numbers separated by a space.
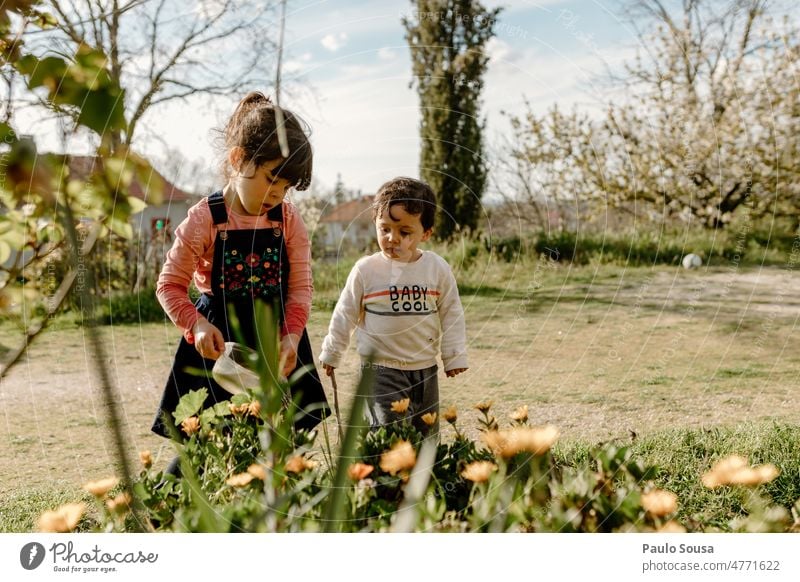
pixel 31 555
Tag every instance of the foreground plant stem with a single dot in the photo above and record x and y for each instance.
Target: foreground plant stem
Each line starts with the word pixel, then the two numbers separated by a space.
pixel 90 325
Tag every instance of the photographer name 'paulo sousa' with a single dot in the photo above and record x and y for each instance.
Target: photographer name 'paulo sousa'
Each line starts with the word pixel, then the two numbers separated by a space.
pixel 679 549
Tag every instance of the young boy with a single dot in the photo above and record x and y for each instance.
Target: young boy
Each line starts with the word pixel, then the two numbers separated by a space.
pixel 404 304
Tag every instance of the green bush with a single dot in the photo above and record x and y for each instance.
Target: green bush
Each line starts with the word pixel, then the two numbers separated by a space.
pixel 142 307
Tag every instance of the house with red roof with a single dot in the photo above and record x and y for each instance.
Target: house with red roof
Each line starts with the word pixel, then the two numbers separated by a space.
pixel 348 227
pixel 164 216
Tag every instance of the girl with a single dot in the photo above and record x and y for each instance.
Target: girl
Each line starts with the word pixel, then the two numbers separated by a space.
pixel 238 245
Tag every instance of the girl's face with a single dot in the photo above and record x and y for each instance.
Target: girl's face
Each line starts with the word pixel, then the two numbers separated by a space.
pixel 256 189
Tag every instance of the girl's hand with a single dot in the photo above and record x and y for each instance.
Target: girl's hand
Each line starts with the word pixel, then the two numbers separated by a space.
pixel 328 369
pixel 289 344
pixel 455 372
pixel 208 340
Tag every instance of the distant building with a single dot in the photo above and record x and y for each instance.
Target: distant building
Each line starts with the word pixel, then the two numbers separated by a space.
pixel 348 227
pixel 166 216
pixel 156 223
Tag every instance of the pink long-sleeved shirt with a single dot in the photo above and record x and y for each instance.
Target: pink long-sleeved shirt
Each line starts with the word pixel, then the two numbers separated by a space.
pixel 192 254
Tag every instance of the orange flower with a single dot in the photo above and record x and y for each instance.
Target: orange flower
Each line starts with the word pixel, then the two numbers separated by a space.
pixel 450 415
pixel 400 406
pixel 63 519
pixel 535 440
pixel 146 458
pixel 254 408
pixel 101 487
pixel 659 503
pixel 484 406
pixel 671 526
pixel 120 503
pixel 401 457
pixel 240 479
pixel 478 471
pixel 239 410
pixel 191 425
pixel 733 470
pixel 520 414
pixel 257 471
pixel 359 471
pixel 298 464
pixel 429 418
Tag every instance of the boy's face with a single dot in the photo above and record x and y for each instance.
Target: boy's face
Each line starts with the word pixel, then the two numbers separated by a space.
pixel 399 233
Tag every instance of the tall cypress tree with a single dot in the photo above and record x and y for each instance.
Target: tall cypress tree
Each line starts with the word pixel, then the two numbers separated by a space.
pixel 448 41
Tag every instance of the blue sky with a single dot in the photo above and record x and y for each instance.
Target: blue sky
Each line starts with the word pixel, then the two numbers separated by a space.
pixel 351 71
pixel 364 114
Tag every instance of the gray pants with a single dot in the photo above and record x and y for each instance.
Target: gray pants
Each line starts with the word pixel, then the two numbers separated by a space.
pixel 391 385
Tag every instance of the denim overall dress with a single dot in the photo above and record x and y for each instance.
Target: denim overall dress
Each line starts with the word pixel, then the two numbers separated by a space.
pixel 248 265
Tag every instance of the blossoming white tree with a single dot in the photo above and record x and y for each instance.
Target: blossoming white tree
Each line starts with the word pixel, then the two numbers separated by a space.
pixel 710 124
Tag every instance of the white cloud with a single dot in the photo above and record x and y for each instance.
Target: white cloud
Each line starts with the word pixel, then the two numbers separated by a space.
pixel 333 42
pixel 499 50
pixel 297 64
pixel 387 54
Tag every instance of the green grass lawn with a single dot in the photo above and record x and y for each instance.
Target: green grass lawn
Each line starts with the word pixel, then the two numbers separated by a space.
pixel 695 364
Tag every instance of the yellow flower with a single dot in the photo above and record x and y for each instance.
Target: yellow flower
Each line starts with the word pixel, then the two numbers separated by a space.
pixel 401 457
pixel 254 408
pixel 63 519
pixel 146 458
pixel 257 471
pixel 298 464
pixel 400 406
pixel 733 470
pixel 671 526
pixel 520 414
pixel 535 440
pixel 359 471
pixel 450 415
pixel 659 503
pixel 484 406
pixel 429 418
pixel 191 425
pixel 240 479
pixel 101 487
pixel 478 471
pixel 120 503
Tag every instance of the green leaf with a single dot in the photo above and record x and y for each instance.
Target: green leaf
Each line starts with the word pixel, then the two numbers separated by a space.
pixel 240 398
pixel 101 111
pixel 120 226
pixel 5 251
pixel 190 405
pixel 136 204
pixel 7 133
pixel 208 416
pixel 222 408
pixel 47 72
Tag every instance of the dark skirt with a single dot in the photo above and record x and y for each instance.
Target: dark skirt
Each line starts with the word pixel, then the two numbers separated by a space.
pixel 190 371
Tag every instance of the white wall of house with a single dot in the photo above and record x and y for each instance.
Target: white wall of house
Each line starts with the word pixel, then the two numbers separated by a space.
pixel 176 212
pixel 354 234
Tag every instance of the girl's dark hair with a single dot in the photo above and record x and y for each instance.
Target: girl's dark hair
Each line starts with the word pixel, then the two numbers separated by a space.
pixel 414 195
pixel 253 127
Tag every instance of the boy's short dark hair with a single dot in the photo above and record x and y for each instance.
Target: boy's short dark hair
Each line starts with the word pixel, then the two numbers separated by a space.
pixel 415 196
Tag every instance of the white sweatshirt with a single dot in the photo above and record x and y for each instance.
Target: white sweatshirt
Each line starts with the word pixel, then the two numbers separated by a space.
pixel 403 313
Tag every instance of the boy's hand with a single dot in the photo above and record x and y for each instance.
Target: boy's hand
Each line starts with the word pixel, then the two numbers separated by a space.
pixel 288 357
pixel 455 372
pixel 208 340
pixel 328 369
